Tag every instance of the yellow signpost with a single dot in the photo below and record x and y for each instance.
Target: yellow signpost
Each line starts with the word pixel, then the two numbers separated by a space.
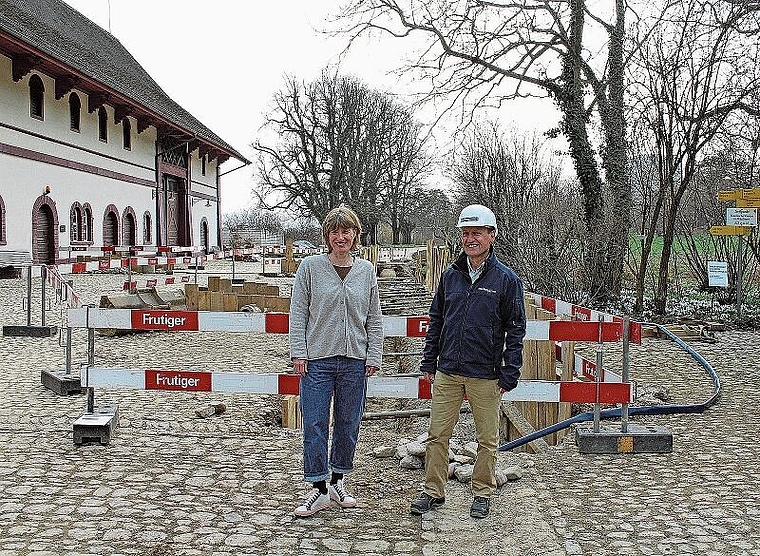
pixel 745 198
pixel 730 230
pixel 739 194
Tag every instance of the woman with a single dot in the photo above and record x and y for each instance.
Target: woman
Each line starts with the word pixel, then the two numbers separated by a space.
pixel 336 342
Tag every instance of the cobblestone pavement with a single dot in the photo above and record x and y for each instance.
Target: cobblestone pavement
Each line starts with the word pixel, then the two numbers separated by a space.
pixel 172 484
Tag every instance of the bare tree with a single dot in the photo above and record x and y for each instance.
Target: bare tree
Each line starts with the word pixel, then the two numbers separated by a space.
pixel 480 53
pixel 697 65
pixel 538 232
pixel 338 141
pixel 431 211
pixel 406 171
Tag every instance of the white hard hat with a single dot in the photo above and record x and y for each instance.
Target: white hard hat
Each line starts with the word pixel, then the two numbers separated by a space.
pixel 477 215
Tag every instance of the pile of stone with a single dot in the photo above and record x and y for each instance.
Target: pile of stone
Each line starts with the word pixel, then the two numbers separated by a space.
pixel 411 455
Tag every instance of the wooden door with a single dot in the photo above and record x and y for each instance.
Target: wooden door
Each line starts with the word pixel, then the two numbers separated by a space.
pixel 43 242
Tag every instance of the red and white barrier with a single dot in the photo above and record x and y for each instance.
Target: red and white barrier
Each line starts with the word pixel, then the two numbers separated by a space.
pixel 153 282
pixel 563 308
pixel 64 289
pixel 208 321
pixel 378 387
pixel 586 368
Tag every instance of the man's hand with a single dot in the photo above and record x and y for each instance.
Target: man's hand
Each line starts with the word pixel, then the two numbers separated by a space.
pixel 369 370
pixel 430 377
pixel 299 366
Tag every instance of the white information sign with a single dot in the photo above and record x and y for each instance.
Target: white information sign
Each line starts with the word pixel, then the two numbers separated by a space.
pixel 741 216
pixel 717 273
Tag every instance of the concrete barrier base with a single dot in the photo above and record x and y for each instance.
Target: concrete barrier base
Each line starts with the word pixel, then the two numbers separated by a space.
pixel 30 331
pixel 61 383
pixel 610 440
pixel 98 426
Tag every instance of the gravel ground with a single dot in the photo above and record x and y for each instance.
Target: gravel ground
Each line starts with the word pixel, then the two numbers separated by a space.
pixel 170 483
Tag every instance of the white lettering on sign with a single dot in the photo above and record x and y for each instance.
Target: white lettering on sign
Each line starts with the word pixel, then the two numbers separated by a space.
pixel 162 320
pixel 423 326
pixel 181 381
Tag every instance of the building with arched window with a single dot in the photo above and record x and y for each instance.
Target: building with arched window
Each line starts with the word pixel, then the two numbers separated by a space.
pixel 89 141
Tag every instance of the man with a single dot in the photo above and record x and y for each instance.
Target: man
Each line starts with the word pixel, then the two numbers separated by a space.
pixel 473 347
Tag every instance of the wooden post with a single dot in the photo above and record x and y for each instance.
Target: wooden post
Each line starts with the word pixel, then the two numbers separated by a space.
pixel 291 412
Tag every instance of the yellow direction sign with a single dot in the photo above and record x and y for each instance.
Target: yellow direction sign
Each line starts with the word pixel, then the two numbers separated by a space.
pixel 730 230
pixel 748 203
pixel 737 194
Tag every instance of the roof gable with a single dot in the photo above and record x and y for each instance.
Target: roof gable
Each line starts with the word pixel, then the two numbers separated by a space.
pixel 59 31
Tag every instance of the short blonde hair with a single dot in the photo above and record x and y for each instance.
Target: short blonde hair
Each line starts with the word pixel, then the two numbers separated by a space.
pixel 341 217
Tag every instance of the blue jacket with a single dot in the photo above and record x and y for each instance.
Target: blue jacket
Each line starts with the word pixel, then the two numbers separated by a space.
pixel 477 329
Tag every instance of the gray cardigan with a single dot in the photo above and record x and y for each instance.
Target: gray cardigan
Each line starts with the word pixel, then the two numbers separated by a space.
pixel 333 317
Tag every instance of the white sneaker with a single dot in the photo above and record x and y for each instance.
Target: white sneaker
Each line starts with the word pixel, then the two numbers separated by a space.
pixel 315 502
pixel 339 493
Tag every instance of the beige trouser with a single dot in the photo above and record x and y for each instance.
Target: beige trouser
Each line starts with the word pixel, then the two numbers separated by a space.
pixel 448 393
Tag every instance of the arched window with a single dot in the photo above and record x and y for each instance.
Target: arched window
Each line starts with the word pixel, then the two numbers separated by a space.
pixel 203 165
pixel 128 224
pixel 36 98
pixel 111 225
pixel 147 229
pixel 127 134
pixel 76 223
pixel 102 124
pixel 75 109
pixel 3 239
pixel 87 223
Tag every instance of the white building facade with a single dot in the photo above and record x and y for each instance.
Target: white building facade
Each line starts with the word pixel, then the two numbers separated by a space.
pixel 92 151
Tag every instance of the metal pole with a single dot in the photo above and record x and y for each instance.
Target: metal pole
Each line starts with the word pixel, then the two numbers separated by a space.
pixel 626 370
pixel 739 265
pixel 90 363
pixel 196 269
pixel 68 350
pixel 129 272
pixel 597 407
pixel 29 295
pixel 43 275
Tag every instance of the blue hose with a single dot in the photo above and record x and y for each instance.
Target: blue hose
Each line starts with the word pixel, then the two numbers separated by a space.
pixel 648 410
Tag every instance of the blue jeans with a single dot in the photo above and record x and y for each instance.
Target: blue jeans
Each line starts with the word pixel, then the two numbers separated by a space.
pixel 343 380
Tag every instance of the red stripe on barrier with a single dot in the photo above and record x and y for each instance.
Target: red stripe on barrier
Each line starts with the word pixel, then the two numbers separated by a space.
pixel 152 261
pixel 169 280
pixel 184 381
pixel 78 268
pixel 561 330
pixel 171 260
pixel 416 327
pixel 104 265
pixel 108 249
pixel 425 390
pixel 288 384
pixel 164 320
pixel 549 304
pixel 276 323
pixel 585 392
pixel 164 249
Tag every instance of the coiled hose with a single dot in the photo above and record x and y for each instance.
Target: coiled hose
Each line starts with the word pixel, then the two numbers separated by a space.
pixel 648 410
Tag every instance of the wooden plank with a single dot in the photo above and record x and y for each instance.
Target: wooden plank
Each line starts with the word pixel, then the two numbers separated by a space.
pixel 213 283
pixel 204 301
pixel 229 302
pixel 191 294
pixel 217 301
pixel 524 428
pixel 249 288
pixel 291 413
pixel 225 285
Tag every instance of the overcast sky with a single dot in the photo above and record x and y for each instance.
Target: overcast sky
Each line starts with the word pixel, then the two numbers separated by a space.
pixel 199 51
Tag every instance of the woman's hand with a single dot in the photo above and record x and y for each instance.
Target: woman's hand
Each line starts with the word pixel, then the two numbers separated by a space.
pixel 369 370
pixel 299 366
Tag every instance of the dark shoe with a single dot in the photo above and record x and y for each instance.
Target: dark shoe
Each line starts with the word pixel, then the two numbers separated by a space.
pixel 480 507
pixel 425 502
